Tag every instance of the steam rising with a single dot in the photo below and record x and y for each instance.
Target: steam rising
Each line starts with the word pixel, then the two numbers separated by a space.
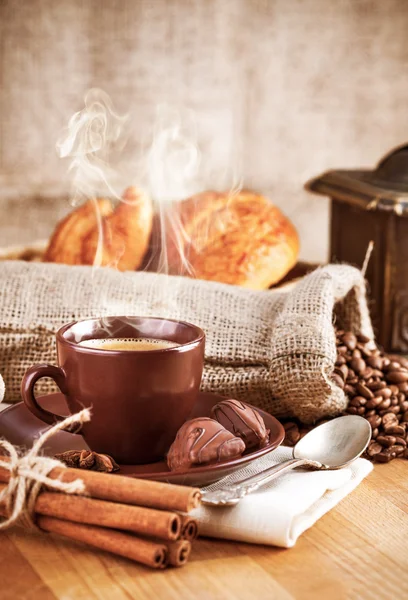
pixel 173 160
pixel 173 174
pixel 92 139
pixel 170 169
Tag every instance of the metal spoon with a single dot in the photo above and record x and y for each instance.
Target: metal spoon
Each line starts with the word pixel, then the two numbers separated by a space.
pixel 331 445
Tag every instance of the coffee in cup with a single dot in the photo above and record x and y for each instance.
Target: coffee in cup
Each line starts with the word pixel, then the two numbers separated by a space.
pixel 129 344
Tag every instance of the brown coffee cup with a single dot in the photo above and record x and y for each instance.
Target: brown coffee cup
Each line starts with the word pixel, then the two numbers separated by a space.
pixel 138 398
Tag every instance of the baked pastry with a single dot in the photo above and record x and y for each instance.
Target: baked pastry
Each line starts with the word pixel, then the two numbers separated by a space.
pixel 65 245
pixel 202 441
pixel 97 233
pixel 243 421
pixel 240 239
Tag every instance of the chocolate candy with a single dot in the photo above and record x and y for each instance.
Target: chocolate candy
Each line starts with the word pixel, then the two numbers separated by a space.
pixel 243 421
pixel 202 441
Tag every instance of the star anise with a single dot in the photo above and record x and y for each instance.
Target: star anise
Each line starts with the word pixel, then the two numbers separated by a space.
pixel 85 459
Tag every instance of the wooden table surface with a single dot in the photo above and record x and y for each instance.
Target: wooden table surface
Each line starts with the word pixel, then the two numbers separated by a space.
pixel 358 550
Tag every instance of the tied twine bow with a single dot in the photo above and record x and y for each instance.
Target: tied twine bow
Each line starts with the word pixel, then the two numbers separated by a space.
pixel 28 473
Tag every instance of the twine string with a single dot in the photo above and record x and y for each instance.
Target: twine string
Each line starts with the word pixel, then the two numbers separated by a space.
pixel 30 472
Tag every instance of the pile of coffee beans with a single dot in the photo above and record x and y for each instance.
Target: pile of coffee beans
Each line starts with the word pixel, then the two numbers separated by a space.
pixel 376 385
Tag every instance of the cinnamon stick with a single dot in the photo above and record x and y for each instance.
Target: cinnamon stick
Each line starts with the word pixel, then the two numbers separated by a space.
pixel 146 552
pixel 189 528
pixel 81 509
pixel 178 553
pixel 127 490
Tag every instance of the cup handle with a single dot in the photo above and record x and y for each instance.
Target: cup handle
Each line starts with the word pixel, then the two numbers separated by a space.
pixel 32 375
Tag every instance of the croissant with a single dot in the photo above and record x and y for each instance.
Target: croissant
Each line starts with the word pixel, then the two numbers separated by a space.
pixel 97 233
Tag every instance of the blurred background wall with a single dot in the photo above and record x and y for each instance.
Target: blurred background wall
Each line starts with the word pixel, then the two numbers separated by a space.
pixel 290 87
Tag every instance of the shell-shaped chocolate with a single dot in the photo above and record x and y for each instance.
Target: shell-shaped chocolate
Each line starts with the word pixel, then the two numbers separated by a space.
pixel 243 421
pixel 202 441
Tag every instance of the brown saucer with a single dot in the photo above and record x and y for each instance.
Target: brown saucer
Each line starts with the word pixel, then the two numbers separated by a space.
pixel 20 427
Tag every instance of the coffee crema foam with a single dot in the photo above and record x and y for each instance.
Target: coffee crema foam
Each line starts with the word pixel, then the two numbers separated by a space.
pixel 130 344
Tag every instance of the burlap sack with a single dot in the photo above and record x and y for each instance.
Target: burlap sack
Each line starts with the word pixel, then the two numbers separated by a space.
pixel 272 349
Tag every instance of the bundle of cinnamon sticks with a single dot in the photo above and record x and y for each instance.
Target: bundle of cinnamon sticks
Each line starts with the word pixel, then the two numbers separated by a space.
pixel 145 521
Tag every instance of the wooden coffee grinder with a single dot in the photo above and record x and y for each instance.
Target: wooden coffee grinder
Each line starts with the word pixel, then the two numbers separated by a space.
pixel 372 205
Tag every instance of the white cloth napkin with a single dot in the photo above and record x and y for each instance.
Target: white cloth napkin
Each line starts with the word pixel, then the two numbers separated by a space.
pixel 280 512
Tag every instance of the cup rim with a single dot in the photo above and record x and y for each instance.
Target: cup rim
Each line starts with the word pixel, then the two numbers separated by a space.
pixel 99 351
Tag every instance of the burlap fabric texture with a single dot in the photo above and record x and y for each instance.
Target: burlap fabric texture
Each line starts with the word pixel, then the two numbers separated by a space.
pixel 273 349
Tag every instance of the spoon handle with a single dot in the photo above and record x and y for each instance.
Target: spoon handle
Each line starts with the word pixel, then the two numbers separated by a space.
pixel 252 483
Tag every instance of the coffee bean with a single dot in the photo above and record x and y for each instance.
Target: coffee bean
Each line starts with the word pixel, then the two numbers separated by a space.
pixel 338 372
pixel 400 359
pixel 403 387
pixel 358 401
pixel 374 402
pixel 376 385
pixel 374 449
pixel 386 362
pixel 367 374
pixel 344 371
pixel 338 380
pixel 384 393
pixel 383 457
pixel 364 391
pixel 405 416
pixel 395 429
pixel 349 390
pixel 350 340
pixel 394 401
pixel 342 349
pixel 404 406
pixel 397 376
pixel 386 403
pixel 356 354
pixel 365 352
pixel 393 366
pixel 352 410
pixel 374 433
pixel 394 389
pixel 292 435
pixel 386 440
pixel 389 419
pixel 370 413
pixel 341 360
pixel 363 339
pixel 397 450
pixel 389 451
pixel 350 374
pixel 358 365
pixel 375 421
pixel 401 441
pixel 361 410
pixel 375 362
